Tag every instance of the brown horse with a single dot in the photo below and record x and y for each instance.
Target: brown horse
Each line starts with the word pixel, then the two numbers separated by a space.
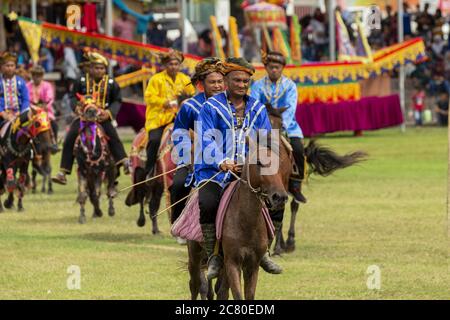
pixel 321 160
pixel 95 162
pixel 42 150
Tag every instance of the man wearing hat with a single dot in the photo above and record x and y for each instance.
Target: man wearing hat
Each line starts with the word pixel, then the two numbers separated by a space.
pixel 161 96
pixel 14 96
pixel 209 76
pixel 42 94
pixel 281 92
pixel 233 113
pixel 109 99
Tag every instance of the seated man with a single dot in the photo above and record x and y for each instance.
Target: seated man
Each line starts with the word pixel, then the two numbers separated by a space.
pixel 161 97
pixel 233 113
pixel 280 91
pixel 96 83
pixel 14 96
pixel 209 73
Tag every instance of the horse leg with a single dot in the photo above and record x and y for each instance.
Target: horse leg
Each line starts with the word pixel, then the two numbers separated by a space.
pixel 290 243
pixel 82 198
pixel 20 207
pixel 222 286
pixel 44 179
pixel 195 273
pixel 155 202
pixel 250 279
pixel 9 202
pixel 279 243
pixel 1 206
pixel 234 278
pixel 141 220
pixel 95 199
pixel 33 180
pixel 111 192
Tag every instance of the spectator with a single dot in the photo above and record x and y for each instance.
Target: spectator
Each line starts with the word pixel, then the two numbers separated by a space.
pixel 70 67
pixel 22 55
pixel 124 27
pixel 438 47
pixel 46 59
pixel 204 47
pixel 441 109
pixel 319 33
pixel 418 105
pixel 156 36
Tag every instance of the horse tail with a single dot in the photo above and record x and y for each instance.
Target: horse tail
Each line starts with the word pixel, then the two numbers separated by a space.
pixel 325 161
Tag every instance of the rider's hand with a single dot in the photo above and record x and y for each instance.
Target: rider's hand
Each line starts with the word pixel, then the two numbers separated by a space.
pixel 103 116
pixel 230 166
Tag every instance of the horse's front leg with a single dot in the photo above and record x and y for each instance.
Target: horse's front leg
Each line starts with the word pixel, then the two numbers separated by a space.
pixel 233 272
pixel 279 243
pixel 111 191
pixel 250 280
pixel 9 202
pixel 290 243
pixel 153 206
pixel 94 195
pixel 82 197
pixel 33 180
pixel 222 287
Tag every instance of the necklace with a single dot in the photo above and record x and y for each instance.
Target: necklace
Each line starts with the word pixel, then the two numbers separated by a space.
pixel 100 89
pixel 10 93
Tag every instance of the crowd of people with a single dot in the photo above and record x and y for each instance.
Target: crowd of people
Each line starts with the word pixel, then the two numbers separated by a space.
pixel 430 80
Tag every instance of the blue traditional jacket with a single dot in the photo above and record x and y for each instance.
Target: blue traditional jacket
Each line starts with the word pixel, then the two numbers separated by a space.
pixel 14 95
pixel 281 94
pixel 221 136
pixel 181 138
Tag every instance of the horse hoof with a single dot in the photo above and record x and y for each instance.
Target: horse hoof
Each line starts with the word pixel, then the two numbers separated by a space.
pixel 111 212
pixel 140 222
pixel 277 252
pixel 97 214
pixel 21 209
pixel 82 220
pixel 156 231
pixel 50 192
pixel 7 204
pixel 33 191
pixel 42 190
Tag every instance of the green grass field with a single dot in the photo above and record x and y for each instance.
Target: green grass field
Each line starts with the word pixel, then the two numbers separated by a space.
pixel 389 211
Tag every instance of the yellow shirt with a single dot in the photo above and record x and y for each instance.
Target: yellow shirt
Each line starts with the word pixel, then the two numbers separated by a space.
pixel 161 89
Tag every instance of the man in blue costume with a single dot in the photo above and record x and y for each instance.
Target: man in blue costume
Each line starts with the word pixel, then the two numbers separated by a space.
pixel 281 92
pixel 14 96
pixel 209 73
pixel 231 115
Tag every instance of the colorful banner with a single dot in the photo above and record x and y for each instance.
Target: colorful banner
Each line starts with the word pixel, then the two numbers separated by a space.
pixel 411 51
pixel 344 45
pixel 31 32
pixel 280 44
pixel 296 49
pixel 217 38
pixel 235 44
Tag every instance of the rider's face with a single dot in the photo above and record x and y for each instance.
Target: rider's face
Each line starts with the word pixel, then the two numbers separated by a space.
pixel 213 84
pixel 98 71
pixel 37 78
pixel 8 69
pixel 173 67
pixel 274 70
pixel 237 83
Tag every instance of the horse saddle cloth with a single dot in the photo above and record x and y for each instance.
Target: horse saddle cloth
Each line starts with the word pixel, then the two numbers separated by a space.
pixel 187 226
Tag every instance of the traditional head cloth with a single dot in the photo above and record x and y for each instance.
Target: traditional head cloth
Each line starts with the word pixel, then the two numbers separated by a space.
pixel 38 70
pixel 272 56
pixel 97 58
pixel 6 57
pixel 238 64
pixel 205 67
pixel 171 55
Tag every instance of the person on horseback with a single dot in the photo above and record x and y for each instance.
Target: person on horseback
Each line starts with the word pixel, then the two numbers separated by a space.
pixel 14 95
pixel 42 94
pixel 161 95
pixel 233 114
pixel 281 92
pixel 209 73
pixel 97 83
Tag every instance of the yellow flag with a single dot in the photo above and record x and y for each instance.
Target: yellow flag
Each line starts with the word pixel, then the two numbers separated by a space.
pixel 32 33
pixel 235 44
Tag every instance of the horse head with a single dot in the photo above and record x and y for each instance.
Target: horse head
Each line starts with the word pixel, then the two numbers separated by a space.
pixel 89 115
pixel 275 115
pixel 262 170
